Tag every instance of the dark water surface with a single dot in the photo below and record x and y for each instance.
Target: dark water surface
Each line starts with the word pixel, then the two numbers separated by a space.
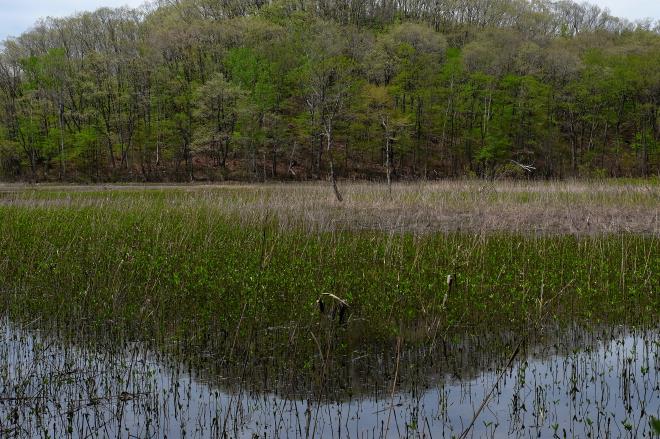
pixel 581 383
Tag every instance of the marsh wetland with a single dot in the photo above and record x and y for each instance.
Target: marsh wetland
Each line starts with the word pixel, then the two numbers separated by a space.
pixel 454 309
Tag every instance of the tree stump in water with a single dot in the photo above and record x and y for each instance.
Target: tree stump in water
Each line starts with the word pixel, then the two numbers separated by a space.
pixel 333 307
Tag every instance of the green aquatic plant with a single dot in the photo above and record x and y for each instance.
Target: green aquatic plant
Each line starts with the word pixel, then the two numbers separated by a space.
pixel 158 264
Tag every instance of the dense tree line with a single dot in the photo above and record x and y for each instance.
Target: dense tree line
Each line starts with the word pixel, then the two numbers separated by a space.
pixel 250 89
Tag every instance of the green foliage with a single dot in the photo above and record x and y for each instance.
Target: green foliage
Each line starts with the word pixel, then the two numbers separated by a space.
pixel 122 94
pixel 253 73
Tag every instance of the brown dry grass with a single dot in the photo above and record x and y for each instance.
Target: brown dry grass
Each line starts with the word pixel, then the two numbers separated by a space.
pixel 568 207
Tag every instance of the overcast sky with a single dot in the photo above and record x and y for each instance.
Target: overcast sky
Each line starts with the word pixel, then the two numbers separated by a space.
pixel 630 9
pixel 17 16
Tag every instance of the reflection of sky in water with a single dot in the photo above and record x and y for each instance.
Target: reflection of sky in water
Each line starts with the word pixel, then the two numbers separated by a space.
pixel 610 389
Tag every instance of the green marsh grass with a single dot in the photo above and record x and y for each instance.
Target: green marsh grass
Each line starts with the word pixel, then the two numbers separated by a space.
pixel 176 263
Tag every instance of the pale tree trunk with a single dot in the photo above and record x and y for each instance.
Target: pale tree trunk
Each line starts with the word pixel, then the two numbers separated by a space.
pixel 645 155
pixel 158 135
pixel 654 129
pixel 388 153
pixel 333 179
pixel 61 125
pixel 387 163
pixel 290 169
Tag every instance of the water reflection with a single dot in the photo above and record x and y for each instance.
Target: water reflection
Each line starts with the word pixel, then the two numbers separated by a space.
pixel 576 383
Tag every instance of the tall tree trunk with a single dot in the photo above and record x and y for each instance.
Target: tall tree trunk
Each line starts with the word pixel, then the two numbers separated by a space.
pixel 111 152
pixel 225 153
pixel 274 162
pixel 388 153
pixel 334 182
pixel 61 126
pixel 655 134
pixel 319 155
pixel 644 149
pixel 333 178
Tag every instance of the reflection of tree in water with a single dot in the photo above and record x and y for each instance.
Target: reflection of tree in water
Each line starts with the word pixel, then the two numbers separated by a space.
pixel 369 371
pixel 123 384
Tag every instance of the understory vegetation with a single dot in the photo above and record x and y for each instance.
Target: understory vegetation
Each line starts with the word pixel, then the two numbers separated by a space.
pixel 250 90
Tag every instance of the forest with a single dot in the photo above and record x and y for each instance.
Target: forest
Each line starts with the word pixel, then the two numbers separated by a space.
pixel 212 90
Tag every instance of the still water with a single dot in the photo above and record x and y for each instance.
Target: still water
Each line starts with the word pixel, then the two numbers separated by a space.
pixel 598 383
